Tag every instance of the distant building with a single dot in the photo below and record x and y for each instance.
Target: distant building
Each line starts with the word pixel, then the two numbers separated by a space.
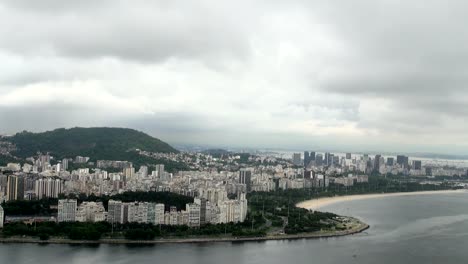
pixel 194 214
pixel 319 160
pixel 365 157
pixel 67 210
pixel 138 212
pixel 80 159
pixel 203 211
pixel 143 171
pixel 402 161
pixel 15 188
pixel 306 158
pixel 348 155
pixel 417 165
pixel 390 161
pixel 129 172
pixel 429 171
pixel 326 159
pixel 90 212
pixel 115 212
pixel 377 162
pixel 2 216
pixel 297 160
pixel 311 156
pixel 159 214
pixel 65 164
pixel 160 170
pixel 245 177
pixel 48 188
pixel 336 160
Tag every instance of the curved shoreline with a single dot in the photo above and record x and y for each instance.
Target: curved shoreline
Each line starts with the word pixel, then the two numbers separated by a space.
pixel 360 228
pixel 322 202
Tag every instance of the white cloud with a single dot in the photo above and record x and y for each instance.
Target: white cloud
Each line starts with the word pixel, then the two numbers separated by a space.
pixel 370 74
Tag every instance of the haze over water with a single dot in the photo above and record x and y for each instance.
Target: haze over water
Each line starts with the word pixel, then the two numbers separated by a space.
pixel 411 229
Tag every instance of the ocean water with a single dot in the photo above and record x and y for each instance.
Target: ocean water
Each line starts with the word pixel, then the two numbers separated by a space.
pixel 407 229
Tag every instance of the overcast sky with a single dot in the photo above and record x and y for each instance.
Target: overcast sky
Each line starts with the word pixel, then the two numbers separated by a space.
pixel 349 75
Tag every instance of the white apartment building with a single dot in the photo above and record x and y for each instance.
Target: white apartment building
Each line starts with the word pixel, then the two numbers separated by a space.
pixel 194 214
pixel 91 212
pixel 138 212
pixel 159 214
pixel 48 188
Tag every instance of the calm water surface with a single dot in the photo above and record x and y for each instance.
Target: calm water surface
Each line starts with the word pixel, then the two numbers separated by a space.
pixel 412 229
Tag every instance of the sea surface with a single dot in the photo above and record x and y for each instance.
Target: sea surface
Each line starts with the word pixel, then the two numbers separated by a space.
pixel 407 229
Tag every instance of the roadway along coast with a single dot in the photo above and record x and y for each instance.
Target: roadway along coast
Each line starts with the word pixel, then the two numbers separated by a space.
pixel 356 226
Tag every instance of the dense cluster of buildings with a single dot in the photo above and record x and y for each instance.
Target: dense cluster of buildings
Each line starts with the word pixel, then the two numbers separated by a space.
pixel 29 187
pixel 346 163
pixel 200 212
pixel 210 180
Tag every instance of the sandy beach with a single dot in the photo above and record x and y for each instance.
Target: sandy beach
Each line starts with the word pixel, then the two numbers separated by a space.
pixel 321 202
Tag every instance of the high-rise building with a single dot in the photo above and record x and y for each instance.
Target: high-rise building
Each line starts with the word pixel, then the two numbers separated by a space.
pixel 328 160
pixel 306 158
pixel 80 159
pixel 194 214
pixel 43 159
pixel 67 210
pixel 160 169
pixel 138 212
pixel 203 211
pixel 173 216
pixel 402 161
pixel 143 171
pixel 429 171
pixel 2 216
pixel 312 156
pixel 390 161
pixel 245 177
pixel 377 162
pixel 336 160
pixel 129 172
pixel 297 160
pixel 15 188
pixel 159 214
pixel 319 160
pixel 115 212
pixel 48 188
pixel 243 207
pixel 417 165
pixel 348 155
pixel 65 164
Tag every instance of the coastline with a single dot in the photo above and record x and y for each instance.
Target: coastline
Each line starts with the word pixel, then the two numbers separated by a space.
pixel 322 202
pixel 317 235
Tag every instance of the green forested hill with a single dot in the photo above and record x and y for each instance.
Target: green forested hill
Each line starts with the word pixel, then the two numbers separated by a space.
pixel 96 143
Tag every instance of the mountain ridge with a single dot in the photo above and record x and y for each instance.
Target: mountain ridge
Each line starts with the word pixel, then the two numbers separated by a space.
pixel 110 143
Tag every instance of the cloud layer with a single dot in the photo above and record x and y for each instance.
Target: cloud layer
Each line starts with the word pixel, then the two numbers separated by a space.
pixel 359 75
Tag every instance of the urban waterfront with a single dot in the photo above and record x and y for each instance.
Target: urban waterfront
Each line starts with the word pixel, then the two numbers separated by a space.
pixel 407 229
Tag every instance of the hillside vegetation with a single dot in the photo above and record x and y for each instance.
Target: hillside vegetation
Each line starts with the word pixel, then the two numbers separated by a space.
pixel 97 143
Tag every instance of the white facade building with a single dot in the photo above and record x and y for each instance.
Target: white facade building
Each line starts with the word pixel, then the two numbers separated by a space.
pixel 48 188
pixel 91 212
